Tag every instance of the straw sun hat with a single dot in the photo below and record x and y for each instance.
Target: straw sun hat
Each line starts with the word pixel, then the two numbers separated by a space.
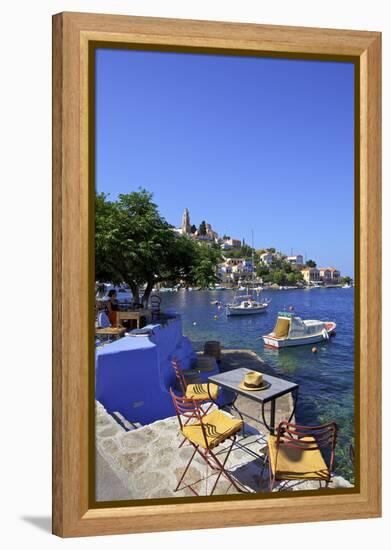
pixel 253 381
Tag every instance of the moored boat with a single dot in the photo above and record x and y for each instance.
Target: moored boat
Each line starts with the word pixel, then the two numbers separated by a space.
pixel 246 305
pixel 291 330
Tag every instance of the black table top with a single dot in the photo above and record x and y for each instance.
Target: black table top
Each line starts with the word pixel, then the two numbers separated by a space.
pixel 231 380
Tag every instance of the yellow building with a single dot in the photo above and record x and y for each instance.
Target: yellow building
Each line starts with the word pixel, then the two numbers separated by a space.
pixel 311 275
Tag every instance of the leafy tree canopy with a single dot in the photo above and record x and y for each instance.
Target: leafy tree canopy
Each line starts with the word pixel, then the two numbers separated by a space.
pixel 134 244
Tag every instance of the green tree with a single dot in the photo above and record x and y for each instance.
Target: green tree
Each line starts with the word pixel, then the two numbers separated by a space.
pixel 294 277
pixel 134 244
pixel 193 229
pixel 347 280
pixel 279 277
pixel 310 263
pixel 204 271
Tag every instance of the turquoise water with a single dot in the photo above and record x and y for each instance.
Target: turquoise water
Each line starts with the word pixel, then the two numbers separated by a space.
pixel 326 379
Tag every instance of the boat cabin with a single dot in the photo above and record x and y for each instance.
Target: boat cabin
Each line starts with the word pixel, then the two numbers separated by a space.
pixel 288 325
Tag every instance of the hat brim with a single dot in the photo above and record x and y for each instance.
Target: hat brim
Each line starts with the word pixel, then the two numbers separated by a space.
pixel 264 386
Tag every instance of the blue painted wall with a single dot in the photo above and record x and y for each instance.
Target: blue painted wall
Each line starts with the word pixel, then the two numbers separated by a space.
pixel 134 374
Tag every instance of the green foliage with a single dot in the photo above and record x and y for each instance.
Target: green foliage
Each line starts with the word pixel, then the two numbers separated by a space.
pixel 134 244
pixel 347 280
pixel 280 272
pixel 245 251
pixel 291 279
pixel 203 273
pixel 279 277
pixel 193 229
pixel 310 263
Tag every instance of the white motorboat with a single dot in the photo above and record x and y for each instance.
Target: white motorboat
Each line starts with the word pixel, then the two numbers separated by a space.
pixel 246 305
pixel 291 330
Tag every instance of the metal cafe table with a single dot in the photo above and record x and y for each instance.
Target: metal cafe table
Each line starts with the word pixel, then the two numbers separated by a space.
pixel 277 388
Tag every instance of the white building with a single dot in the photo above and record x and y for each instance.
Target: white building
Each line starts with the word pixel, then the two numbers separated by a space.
pixel 234 269
pixel 267 258
pixel 296 260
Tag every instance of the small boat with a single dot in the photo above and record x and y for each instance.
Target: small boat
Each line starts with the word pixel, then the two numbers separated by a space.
pixel 346 286
pixel 291 330
pixel 246 305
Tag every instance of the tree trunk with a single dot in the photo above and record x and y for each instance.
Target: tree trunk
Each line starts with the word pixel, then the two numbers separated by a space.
pixel 147 293
pixel 135 291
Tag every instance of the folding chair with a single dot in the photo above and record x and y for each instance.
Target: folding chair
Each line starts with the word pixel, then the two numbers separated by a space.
pixel 155 302
pixel 205 432
pixel 202 393
pixel 302 452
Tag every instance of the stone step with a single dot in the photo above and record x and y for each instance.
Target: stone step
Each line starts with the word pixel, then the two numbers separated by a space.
pixel 129 426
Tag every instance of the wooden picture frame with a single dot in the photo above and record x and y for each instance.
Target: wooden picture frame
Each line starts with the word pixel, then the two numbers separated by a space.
pixel 72 265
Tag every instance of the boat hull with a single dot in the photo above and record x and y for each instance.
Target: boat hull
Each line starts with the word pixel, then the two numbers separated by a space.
pixel 246 311
pixel 273 342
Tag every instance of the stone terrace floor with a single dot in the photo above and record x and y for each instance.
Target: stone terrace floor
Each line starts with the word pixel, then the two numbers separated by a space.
pixel 147 462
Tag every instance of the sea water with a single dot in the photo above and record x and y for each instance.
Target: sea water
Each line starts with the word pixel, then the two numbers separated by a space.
pixel 325 378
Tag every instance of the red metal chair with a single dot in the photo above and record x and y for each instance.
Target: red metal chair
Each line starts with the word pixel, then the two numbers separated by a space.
pixel 205 432
pixel 200 392
pixel 298 452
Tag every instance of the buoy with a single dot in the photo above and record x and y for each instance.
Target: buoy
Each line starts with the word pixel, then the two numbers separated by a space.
pixel 194 323
pixel 314 349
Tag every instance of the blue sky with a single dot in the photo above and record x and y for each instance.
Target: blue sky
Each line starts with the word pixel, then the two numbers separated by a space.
pixel 244 143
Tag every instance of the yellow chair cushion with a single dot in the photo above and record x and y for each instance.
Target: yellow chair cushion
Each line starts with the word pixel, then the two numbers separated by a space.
pixel 295 463
pixel 200 391
pixel 218 427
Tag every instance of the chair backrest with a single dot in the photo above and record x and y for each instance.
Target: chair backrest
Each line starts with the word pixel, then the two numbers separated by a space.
pixel 308 438
pixel 179 374
pixel 155 302
pixel 184 407
pixel 103 320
